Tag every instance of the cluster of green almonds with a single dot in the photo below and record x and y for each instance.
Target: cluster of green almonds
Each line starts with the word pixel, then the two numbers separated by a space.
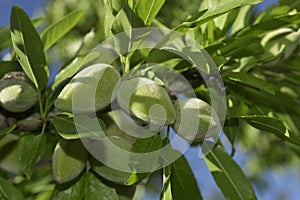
pixel 16 94
pixel 141 99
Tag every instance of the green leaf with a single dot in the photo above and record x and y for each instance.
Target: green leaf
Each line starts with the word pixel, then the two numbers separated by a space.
pixel 116 5
pixel 242 19
pixel 239 46
pixel 71 69
pixel 66 127
pixel 69 160
pixel 10 154
pixel 143 146
pixel 126 19
pixel 8 191
pixel 248 79
pixel 270 124
pixel 266 123
pixel 31 148
pixel 146 145
pixel 148 9
pixel 183 182
pixel 109 18
pixel 231 129
pixel 5 33
pixel 125 192
pixel 5 37
pixel 28 48
pixel 270 25
pixel 228 175
pixel 160 55
pixel 279 102
pixel 221 8
pixel 166 193
pixel 7 130
pixel 96 189
pixel 69 191
pixel 57 30
pixel 8 66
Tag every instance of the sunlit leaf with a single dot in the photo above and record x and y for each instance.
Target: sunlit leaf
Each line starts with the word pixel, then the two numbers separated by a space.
pixel 270 25
pixel 272 125
pixel 166 192
pixel 242 19
pixel 28 47
pixel 228 175
pixel 5 33
pixel 147 9
pixel 252 81
pixel 183 182
pixel 57 30
pixel 221 8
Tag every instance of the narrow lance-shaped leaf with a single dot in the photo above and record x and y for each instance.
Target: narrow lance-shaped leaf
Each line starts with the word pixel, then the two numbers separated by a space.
pixel 222 8
pixel 95 189
pixel 5 33
pixel 9 191
pixel 28 48
pixel 261 98
pixel 166 193
pixel 183 182
pixel 270 124
pixel 148 9
pixel 57 30
pixel 228 175
pixel 6 131
pixel 242 19
pixel 125 20
pixel 252 81
pixel 4 37
pixel 269 25
pixel 31 148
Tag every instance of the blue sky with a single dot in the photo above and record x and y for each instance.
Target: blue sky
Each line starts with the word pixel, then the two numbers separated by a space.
pixel 30 6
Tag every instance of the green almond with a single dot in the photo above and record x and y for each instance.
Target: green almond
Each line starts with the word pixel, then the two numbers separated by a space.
pixel 195 120
pixel 146 100
pixel 91 88
pixel 16 95
pixel 69 160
